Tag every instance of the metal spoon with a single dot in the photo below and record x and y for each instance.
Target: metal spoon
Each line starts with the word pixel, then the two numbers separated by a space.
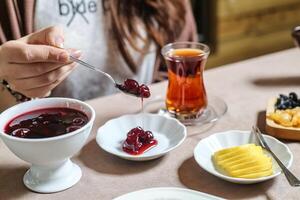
pixel 119 86
pixel 293 181
pixel 93 68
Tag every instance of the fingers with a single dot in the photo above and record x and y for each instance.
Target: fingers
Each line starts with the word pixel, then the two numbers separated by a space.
pixel 52 36
pixel 42 86
pixel 44 91
pixel 18 52
pixel 33 65
pixel 37 47
pixel 48 94
pixel 42 80
pixel 22 71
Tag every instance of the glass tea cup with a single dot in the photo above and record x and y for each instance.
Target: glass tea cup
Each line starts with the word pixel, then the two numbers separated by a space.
pixel 186 95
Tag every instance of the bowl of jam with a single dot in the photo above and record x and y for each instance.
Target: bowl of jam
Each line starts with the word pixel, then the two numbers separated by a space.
pixel 46 133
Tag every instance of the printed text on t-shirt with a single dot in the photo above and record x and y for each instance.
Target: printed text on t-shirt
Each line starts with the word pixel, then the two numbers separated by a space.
pixel 72 8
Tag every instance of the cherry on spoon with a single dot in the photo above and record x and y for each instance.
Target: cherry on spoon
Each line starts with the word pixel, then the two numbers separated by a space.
pixel 129 86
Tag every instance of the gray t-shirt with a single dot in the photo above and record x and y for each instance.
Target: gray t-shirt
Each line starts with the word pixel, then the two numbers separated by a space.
pixel 88 29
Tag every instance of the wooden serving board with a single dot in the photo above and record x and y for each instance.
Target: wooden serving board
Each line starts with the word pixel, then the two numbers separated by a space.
pixel 278 131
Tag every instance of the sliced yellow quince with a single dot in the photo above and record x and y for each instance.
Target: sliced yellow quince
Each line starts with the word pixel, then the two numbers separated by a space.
pixel 258 174
pixel 245 161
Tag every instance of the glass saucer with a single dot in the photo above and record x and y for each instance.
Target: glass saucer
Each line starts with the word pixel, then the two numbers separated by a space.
pixel 216 108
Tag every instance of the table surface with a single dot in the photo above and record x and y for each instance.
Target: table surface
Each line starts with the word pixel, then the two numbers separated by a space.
pixel 245 86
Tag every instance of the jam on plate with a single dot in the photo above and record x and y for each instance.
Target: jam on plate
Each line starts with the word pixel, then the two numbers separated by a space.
pixel 138 141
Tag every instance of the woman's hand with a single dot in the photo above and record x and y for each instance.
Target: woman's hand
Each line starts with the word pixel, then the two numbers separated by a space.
pixel 34 65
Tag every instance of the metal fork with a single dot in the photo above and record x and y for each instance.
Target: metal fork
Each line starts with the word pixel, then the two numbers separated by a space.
pixel 288 174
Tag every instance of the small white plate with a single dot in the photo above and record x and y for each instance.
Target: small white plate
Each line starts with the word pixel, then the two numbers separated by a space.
pixel 173 193
pixel 169 133
pixel 205 149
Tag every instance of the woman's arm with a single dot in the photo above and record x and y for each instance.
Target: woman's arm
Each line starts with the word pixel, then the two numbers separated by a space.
pixel 33 65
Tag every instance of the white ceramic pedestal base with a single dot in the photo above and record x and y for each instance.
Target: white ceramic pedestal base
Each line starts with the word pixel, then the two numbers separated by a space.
pixel 49 179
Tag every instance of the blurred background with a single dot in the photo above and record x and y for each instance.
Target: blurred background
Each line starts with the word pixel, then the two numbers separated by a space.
pixel 240 29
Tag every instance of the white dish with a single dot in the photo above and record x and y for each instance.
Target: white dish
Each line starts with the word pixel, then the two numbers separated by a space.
pixel 205 149
pixel 51 169
pixel 161 193
pixel 169 133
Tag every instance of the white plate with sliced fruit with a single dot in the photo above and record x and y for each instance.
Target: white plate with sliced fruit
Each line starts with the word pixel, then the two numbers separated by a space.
pixel 251 162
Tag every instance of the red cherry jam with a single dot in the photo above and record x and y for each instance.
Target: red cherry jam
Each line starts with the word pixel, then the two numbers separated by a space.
pixel 46 123
pixel 132 87
pixel 138 141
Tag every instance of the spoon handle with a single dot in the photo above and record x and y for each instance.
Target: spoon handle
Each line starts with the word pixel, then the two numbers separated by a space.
pixel 92 67
pixel 293 181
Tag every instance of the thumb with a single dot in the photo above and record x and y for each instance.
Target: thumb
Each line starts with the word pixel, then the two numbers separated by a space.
pixel 52 36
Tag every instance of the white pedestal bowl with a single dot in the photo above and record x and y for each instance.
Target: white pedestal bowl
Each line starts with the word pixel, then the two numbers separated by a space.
pixel 51 168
